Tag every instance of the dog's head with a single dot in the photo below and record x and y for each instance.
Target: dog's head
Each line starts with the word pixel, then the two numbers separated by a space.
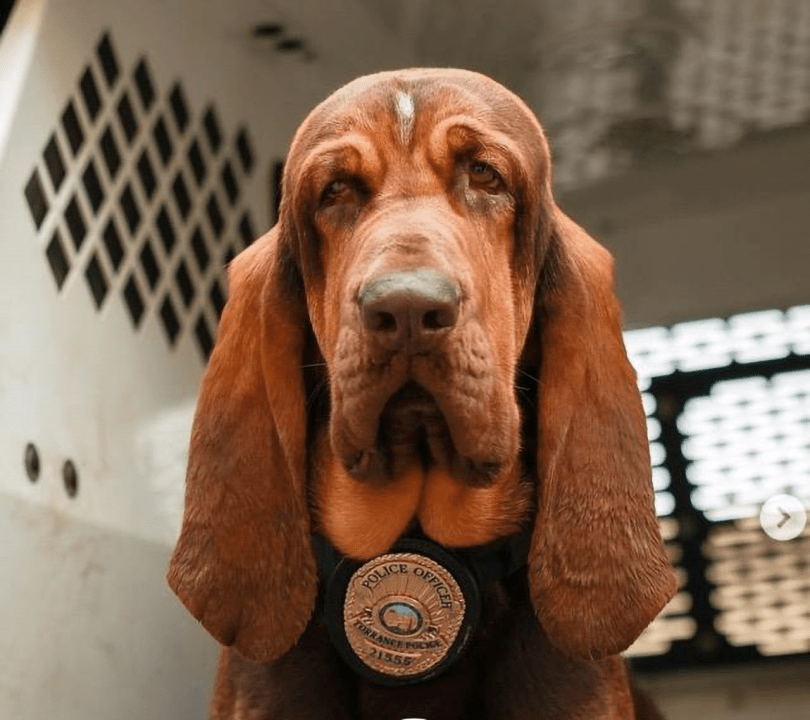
pixel 423 339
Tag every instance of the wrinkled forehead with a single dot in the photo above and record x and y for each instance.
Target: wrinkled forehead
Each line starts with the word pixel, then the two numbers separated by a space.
pixel 407 104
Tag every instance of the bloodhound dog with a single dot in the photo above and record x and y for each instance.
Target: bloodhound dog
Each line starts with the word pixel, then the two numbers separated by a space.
pixel 419 480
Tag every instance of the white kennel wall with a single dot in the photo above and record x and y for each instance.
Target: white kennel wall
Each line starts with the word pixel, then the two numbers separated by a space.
pixel 135 159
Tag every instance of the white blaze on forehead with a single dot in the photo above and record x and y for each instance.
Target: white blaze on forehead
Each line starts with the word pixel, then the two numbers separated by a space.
pixel 405 110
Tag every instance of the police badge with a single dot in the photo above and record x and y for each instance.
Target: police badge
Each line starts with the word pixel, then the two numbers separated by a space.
pixel 404 616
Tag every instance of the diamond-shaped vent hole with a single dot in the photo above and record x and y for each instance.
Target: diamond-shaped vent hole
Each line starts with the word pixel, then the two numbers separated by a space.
pixel 199 250
pixel 92 186
pixel 197 162
pixel 126 116
pixel 92 100
pixel 75 222
pixel 58 260
pixel 166 230
pixel 108 60
pixel 150 265
pixel 143 81
pixel 96 280
pixel 35 196
pixel 147 174
pixel 205 340
pixel 112 241
pixel 212 131
pixel 244 150
pixel 184 284
pixel 73 128
pixel 129 206
pixel 179 107
pixel 110 153
pixel 168 316
pixel 134 300
pixel 54 162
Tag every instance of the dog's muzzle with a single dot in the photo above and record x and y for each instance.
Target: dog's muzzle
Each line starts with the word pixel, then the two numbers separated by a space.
pixel 408 615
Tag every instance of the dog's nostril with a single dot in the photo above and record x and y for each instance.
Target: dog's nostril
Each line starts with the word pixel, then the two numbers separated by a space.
pixel 432 321
pixel 379 321
pixel 385 322
pixel 440 319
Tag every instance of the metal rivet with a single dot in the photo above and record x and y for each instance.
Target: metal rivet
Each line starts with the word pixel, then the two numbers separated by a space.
pixel 268 29
pixel 32 462
pixel 71 478
pixel 289 45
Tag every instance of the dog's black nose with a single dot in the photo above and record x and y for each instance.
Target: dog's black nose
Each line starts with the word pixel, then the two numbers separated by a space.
pixel 413 309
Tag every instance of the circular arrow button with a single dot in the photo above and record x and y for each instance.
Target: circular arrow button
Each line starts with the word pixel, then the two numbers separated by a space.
pixel 783 517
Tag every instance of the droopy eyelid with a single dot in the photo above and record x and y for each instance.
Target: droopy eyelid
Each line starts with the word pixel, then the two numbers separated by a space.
pixel 352 155
pixel 462 140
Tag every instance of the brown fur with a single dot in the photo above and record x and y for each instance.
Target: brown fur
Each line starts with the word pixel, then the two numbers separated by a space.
pixel 273 459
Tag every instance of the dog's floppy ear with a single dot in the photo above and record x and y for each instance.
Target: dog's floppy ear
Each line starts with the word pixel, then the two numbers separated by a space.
pixel 598 573
pixel 243 565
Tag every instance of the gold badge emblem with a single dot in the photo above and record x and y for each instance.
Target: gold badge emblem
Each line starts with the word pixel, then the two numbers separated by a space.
pixel 402 614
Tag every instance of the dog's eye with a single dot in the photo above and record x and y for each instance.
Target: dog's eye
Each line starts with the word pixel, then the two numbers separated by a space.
pixel 335 191
pixel 484 176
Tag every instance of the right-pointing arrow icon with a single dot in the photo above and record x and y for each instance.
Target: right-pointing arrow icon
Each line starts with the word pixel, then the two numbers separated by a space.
pixel 783 517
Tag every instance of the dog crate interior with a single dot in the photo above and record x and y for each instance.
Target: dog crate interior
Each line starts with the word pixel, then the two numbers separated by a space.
pixel 141 149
